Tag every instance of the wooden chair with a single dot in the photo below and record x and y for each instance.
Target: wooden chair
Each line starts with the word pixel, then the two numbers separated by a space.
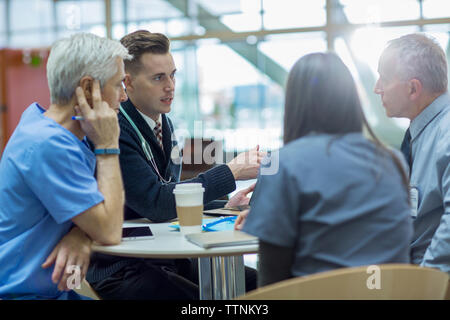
pixel 396 282
pixel 447 296
pixel 87 291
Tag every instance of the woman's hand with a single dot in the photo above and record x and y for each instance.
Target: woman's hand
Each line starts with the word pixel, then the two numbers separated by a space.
pixel 239 223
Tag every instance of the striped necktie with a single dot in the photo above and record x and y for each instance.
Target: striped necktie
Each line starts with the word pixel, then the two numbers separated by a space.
pixel 158 133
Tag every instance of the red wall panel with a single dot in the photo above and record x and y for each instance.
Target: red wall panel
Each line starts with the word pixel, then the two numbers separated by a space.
pixel 23 81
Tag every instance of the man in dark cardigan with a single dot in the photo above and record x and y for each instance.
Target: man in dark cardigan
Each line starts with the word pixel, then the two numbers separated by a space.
pixel 149 183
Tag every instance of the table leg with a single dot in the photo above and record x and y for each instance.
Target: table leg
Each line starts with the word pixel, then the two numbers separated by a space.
pixel 205 278
pixel 221 278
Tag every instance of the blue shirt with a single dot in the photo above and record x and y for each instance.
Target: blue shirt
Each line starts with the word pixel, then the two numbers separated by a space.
pixel 430 174
pixel 338 201
pixel 47 178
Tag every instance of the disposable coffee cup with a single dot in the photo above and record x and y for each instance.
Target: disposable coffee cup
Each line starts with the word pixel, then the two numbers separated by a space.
pixel 189 203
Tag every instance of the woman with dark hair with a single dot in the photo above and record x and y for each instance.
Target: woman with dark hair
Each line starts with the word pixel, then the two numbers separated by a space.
pixel 337 199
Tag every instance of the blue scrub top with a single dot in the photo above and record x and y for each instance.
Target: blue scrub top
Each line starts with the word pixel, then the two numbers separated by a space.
pixel 337 200
pixel 47 178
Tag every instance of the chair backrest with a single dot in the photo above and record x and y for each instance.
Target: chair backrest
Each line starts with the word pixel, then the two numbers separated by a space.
pixel 447 296
pixel 87 291
pixel 383 282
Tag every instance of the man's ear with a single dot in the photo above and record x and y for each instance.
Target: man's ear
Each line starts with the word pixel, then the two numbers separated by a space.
pixel 128 81
pixel 86 84
pixel 415 89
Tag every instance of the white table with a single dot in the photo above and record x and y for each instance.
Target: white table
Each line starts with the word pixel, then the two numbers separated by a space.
pixel 221 270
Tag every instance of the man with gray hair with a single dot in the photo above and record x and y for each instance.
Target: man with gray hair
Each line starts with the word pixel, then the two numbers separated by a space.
pixel 51 205
pixel 413 84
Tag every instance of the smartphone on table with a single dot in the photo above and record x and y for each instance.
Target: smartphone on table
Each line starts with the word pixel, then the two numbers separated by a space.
pixel 137 233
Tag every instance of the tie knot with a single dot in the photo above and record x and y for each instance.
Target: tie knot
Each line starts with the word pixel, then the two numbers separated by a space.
pixel 157 129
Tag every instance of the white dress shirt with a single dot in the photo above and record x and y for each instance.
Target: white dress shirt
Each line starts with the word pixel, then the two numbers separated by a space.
pixel 151 123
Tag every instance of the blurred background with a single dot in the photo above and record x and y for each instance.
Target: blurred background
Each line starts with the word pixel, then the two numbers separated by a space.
pixel 232 56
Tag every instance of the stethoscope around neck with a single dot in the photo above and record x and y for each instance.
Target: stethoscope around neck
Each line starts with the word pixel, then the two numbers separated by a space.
pixel 145 147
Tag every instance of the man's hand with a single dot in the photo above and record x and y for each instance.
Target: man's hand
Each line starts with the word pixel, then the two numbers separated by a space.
pixel 240 220
pixel 100 123
pixel 74 249
pixel 240 198
pixel 246 165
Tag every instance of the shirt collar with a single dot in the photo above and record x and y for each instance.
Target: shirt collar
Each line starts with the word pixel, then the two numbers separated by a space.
pixel 151 123
pixel 429 113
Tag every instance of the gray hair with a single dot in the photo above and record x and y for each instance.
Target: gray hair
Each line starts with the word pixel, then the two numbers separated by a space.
pixel 82 54
pixel 419 56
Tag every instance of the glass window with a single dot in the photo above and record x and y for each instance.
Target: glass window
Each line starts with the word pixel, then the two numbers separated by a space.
pixel 118 31
pixel 237 101
pixel 368 43
pixel 373 11
pixel 98 29
pixel 238 15
pixel 30 14
pixel 441 33
pixel 2 45
pixel 185 111
pixel 242 22
pixel 216 77
pixel 118 8
pixel 31 39
pixel 151 9
pixel 232 92
pixel 74 14
pixel 220 7
pixel 178 27
pixel 286 49
pixel 436 8
pixel 280 14
pixel 2 17
pixel 217 15
pixel 153 26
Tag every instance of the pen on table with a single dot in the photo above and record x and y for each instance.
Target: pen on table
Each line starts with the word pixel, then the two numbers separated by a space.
pixel 77 118
pixel 222 219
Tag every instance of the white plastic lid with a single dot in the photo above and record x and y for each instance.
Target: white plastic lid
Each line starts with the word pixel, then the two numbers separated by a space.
pixel 188 188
